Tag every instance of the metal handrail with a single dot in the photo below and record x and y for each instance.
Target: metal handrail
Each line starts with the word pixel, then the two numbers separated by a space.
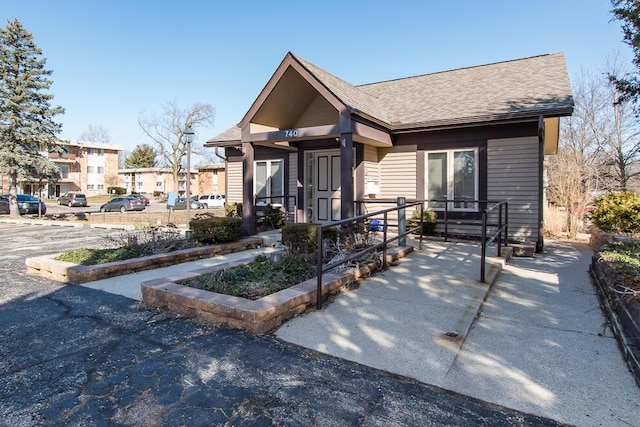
pixel 502 225
pixel 322 268
pixel 487 240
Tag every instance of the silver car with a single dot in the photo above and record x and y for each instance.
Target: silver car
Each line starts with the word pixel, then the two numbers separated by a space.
pixel 122 204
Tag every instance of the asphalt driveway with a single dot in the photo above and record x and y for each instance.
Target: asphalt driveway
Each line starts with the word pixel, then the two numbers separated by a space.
pixel 76 356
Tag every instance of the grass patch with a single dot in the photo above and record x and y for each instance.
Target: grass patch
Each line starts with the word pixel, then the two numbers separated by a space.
pixel 86 256
pixel 259 278
pixel 129 245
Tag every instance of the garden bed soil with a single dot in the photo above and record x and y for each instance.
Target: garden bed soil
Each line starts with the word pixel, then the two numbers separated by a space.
pixel 623 314
pixel 62 271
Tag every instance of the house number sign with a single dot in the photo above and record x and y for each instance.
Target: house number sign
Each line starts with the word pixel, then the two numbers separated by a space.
pixel 291 133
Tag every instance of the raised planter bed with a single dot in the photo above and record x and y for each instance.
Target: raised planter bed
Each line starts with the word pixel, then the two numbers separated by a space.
pixel 258 316
pixel 62 271
pixel 623 316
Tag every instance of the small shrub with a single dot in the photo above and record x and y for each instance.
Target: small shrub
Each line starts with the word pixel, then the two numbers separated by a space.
pixel 617 212
pixel 274 217
pixel 157 194
pixel 233 210
pixel 302 238
pixel 209 229
pixel 429 218
pixel 117 190
pixel 624 258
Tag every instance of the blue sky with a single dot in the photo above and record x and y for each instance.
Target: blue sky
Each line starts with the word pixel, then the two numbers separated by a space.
pixel 113 60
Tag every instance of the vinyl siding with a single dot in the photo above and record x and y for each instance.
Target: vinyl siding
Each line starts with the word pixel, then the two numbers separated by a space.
pixel 234 180
pixel 293 183
pixel 398 172
pixel 512 175
pixel 319 112
pixel 371 165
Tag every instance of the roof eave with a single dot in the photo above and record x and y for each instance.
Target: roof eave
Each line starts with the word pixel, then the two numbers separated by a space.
pixel 481 119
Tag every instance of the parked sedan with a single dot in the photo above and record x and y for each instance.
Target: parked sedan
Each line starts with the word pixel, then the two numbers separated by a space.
pixel 122 204
pixel 28 204
pixel 4 205
pixel 72 199
pixel 141 197
pixel 182 205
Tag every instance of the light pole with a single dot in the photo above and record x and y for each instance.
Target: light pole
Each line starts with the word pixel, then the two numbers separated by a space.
pixel 188 137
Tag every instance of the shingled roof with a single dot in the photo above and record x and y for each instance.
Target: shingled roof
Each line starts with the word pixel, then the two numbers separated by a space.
pixel 502 90
pixel 521 88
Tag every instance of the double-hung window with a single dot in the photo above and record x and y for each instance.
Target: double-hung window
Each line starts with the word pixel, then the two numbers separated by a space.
pixel 269 181
pixel 452 175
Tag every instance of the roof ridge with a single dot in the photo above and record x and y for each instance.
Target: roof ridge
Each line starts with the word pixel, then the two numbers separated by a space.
pixel 459 69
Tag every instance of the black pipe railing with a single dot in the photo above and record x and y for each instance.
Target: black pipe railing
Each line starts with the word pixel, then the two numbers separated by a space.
pixel 487 240
pixel 359 220
pixel 485 207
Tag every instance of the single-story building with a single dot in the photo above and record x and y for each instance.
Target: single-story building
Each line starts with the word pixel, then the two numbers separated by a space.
pixel 318 144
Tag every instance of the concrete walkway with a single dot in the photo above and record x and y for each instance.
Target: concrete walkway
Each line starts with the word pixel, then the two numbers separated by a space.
pixel 539 343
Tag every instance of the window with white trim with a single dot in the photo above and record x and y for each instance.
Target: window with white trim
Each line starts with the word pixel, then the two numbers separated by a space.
pixel 452 175
pixel 268 181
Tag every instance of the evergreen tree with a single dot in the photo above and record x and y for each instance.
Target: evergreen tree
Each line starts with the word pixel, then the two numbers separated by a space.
pixel 628 11
pixel 26 115
pixel 143 156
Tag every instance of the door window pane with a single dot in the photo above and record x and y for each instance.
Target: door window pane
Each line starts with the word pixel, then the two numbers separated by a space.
pixel 452 175
pixel 268 181
pixel 464 179
pixel 276 181
pixel 437 178
pixel 261 181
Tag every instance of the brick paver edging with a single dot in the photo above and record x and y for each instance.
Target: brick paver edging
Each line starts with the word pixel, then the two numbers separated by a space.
pixel 62 271
pixel 257 316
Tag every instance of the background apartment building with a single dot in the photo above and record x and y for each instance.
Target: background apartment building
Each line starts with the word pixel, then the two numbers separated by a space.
pixel 85 167
pixel 205 179
pixel 156 181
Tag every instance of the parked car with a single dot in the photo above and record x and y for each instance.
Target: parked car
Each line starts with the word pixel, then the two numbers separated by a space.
pixel 144 199
pixel 28 204
pixel 181 204
pixel 72 199
pixel 4 205
pixel 212 200
pixel 122 204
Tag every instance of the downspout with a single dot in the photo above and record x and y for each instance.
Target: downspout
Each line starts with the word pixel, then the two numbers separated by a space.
pixel 540 242
pixel 218 155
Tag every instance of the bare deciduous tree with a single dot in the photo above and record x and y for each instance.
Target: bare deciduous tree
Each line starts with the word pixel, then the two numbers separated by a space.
pixel 620 132
pixel 95 133
pixel 599 146
pixel 166 130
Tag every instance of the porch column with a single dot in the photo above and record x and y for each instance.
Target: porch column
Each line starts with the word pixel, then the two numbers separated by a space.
pixel 540 241
pixel 248 208
pixel 346 175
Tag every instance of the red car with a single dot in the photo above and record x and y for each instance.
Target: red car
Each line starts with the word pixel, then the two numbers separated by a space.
pixel 141 197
